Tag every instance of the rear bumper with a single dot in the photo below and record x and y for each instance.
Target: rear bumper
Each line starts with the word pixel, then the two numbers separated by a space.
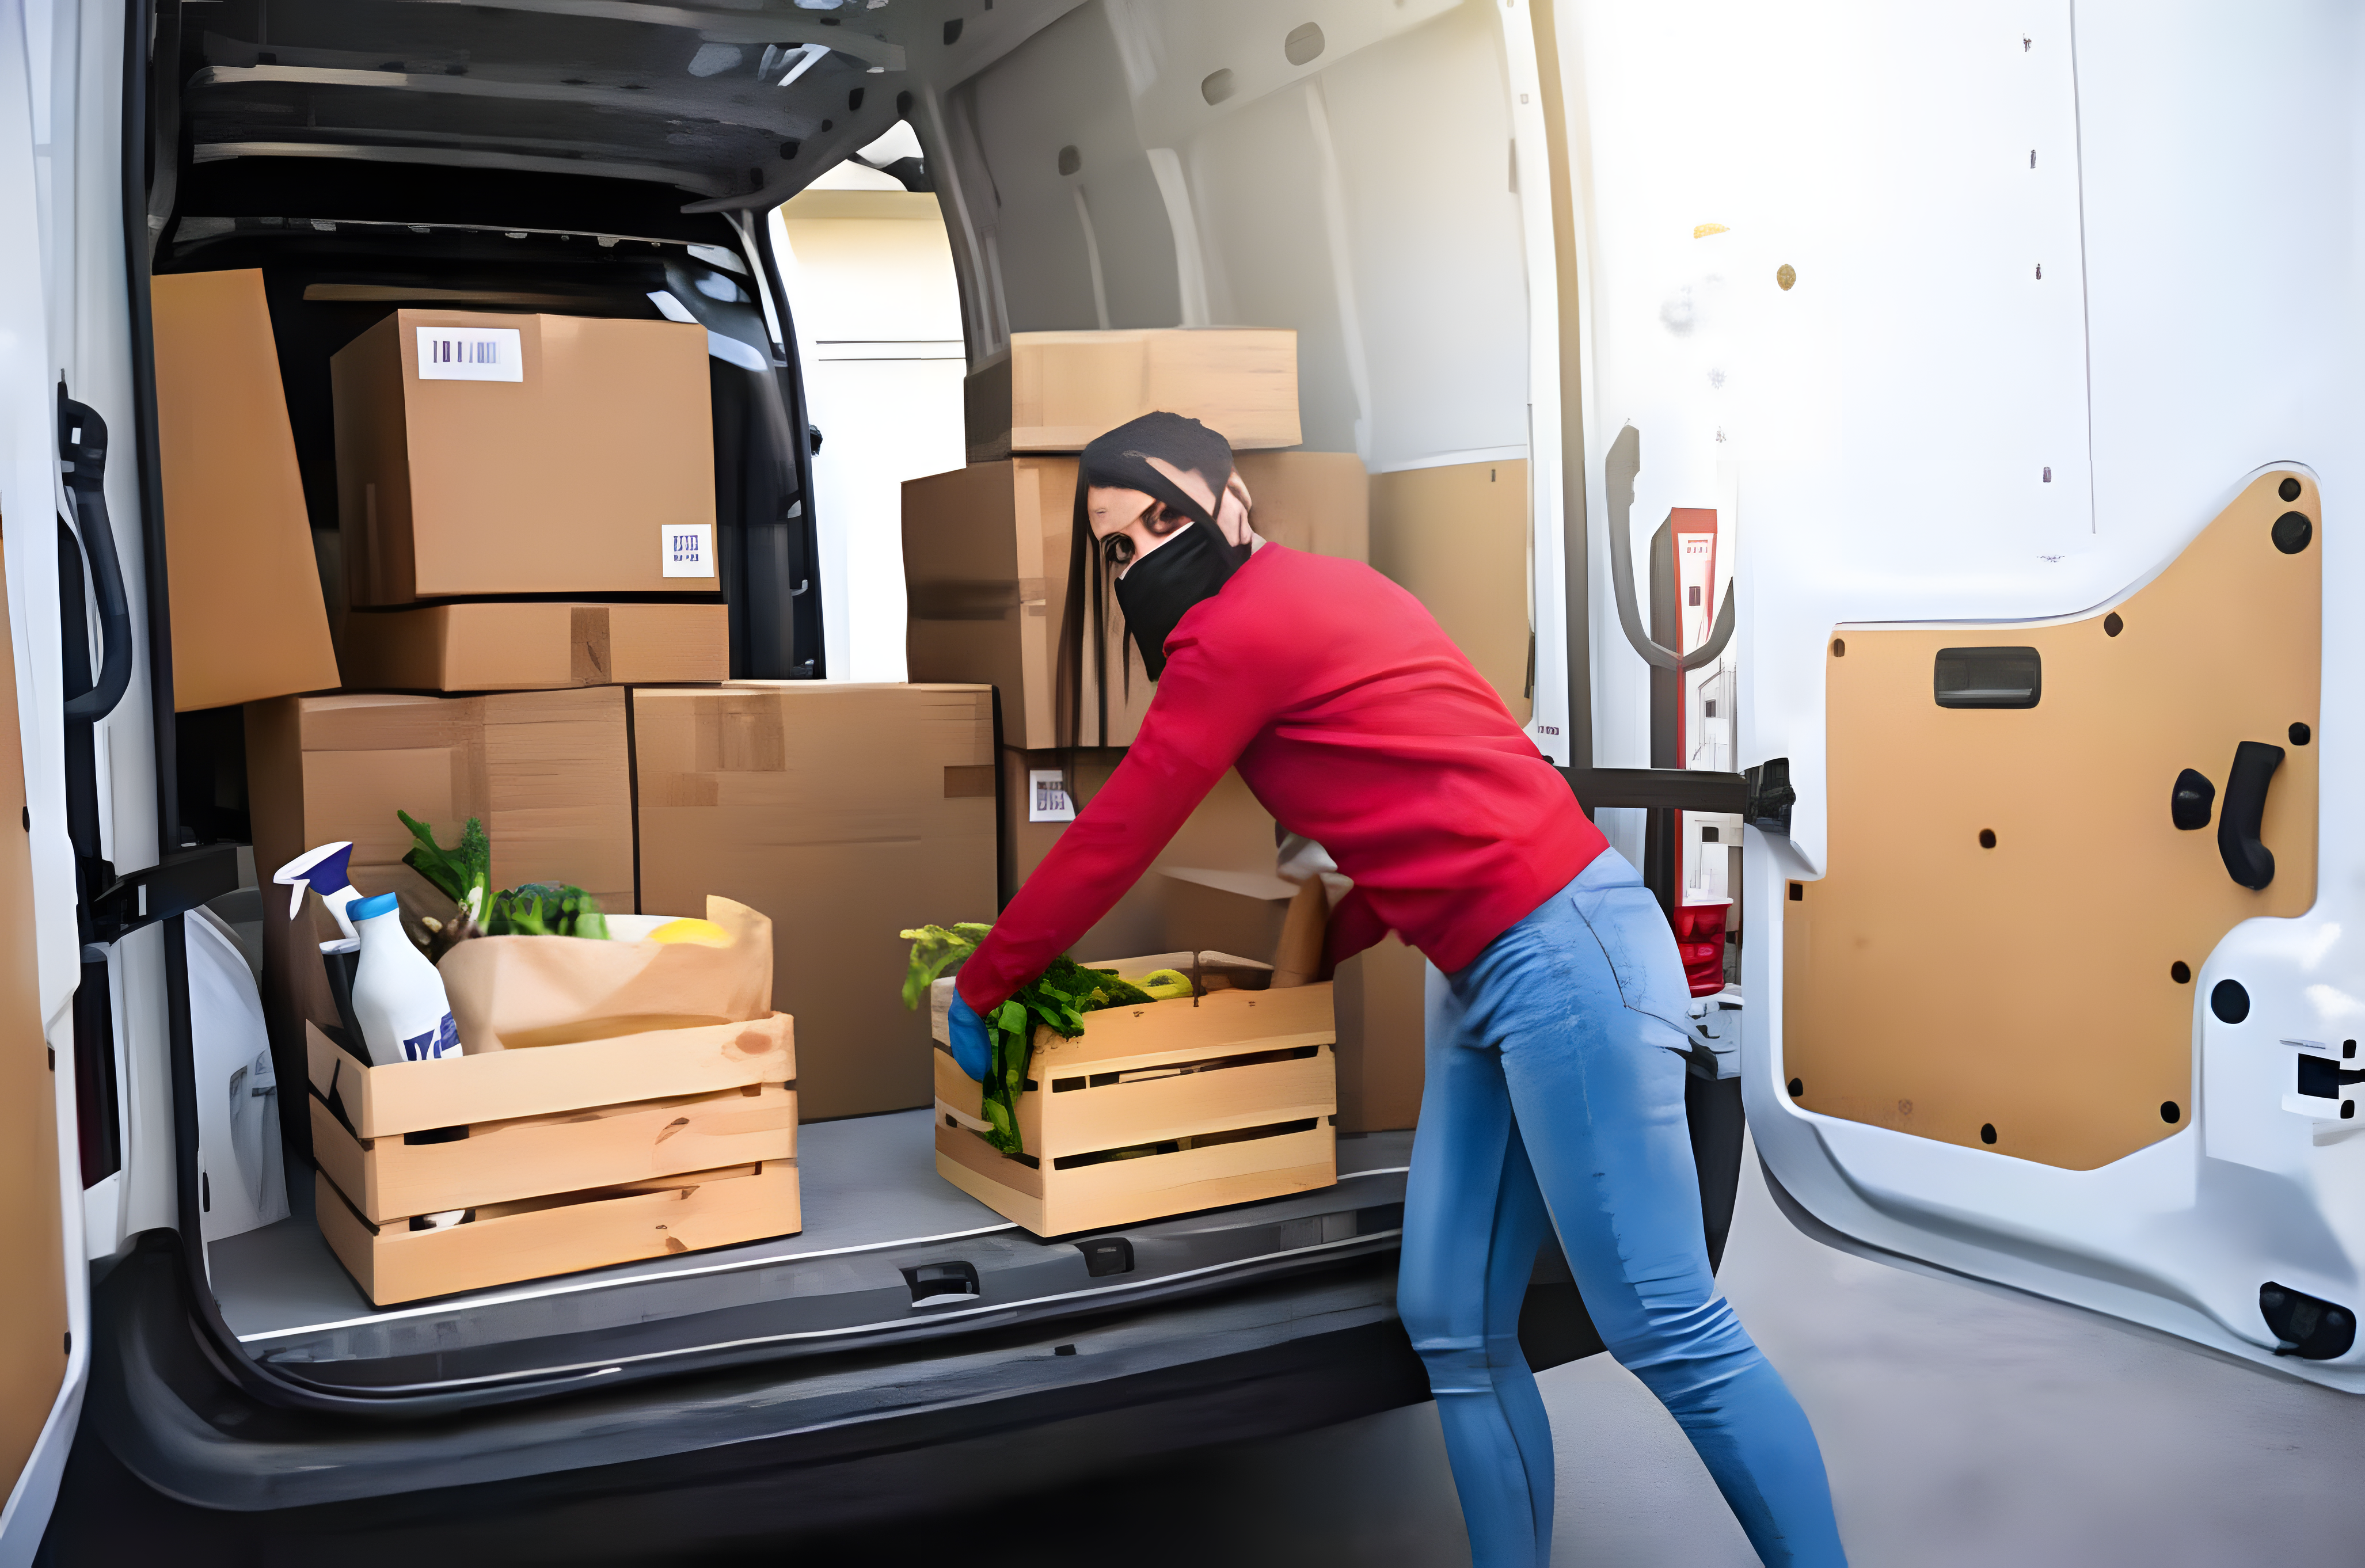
pixel 818 1443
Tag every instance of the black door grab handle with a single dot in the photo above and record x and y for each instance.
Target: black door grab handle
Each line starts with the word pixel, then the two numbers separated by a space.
pixel 2247 861
pixel 2190 803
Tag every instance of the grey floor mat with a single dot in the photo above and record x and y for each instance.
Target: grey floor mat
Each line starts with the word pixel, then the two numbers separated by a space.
pixel 868 1182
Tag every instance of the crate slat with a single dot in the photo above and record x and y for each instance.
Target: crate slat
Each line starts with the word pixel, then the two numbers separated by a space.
pixel 398 1265
pixel 1126 1191
pixel 1119 1116
pixel 413 1096
pixel 388 1179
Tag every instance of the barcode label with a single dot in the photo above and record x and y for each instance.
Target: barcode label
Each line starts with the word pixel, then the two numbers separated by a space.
pixel 471 353
pixel 1047 797
pixel 687 549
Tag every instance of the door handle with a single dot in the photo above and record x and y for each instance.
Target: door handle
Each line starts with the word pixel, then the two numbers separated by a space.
pixel 2247 861
pixel 1624 461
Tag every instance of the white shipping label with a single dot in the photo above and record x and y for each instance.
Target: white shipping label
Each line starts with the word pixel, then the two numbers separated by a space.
pixel 687 549
pixel 1047 797
pixel 471 353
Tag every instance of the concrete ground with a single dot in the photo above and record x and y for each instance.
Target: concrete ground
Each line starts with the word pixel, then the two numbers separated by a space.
pixel 1962 1426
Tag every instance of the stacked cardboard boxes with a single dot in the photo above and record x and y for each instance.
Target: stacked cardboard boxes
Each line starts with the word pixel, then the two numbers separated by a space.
pixel 483 458
pixel 535 638
pixel 987 553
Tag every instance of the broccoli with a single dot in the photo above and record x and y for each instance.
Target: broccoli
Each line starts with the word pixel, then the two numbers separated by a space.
pixel 545 908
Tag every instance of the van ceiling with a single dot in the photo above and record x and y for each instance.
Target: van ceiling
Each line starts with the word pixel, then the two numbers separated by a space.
pixel 738 105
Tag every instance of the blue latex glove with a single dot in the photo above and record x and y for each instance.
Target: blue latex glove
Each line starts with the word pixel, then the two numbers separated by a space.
pixel 972 1048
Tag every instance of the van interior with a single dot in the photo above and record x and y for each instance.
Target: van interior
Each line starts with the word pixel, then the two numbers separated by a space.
pixel 621 160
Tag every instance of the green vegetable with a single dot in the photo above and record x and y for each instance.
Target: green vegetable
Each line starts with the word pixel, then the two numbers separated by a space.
pixel 546 909
pixel 464 875
pixel 933 950
pixel 1057 999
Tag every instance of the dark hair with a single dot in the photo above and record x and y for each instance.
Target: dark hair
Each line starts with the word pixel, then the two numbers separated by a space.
pixel 1120 459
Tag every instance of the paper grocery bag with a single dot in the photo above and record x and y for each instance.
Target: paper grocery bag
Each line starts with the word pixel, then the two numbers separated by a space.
pixel 511 992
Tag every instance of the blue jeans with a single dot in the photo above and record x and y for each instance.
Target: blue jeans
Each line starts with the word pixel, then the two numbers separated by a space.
pixel 1555 1094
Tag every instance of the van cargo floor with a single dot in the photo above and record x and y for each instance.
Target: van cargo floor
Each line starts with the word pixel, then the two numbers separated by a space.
pixel 873 1206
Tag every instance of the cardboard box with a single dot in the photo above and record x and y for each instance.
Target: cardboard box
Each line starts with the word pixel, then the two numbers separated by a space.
pixel 1229 832
pixel 547 771
pixel 1316 501
pixel 1113 1134
pixel 1382 1030
pixel 985 568
pixel 1056 391
pixel 248 619
pixel 845 812
pixel 523 454
pixel 1456 537
pixel 495 647
pixel 986 553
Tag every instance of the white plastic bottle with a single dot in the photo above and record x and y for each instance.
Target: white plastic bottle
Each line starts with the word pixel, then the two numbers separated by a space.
pixel 398 998
pixel 400 1002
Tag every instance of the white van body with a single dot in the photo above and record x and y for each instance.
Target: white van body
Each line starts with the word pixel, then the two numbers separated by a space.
pixel 1953 316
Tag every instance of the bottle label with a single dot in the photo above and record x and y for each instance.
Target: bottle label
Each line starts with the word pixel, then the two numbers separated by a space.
pixel 443 1040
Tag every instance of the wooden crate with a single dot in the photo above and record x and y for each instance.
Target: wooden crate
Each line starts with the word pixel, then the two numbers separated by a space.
pixel 537 1238
pixel 1229 1097
pixel 601 1151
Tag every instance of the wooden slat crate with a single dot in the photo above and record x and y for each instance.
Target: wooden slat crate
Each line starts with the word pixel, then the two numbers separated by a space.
pixel 573 1157
pixel 506 1243
pixel 1194 1104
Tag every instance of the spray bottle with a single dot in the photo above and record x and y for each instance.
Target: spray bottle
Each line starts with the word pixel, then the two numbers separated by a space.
pixel 324 871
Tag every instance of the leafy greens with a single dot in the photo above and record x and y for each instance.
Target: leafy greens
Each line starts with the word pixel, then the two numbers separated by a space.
pixel 465 875
pixel 1056 1000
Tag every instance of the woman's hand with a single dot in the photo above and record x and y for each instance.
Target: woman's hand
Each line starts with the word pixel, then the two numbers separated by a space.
pixel 972 1048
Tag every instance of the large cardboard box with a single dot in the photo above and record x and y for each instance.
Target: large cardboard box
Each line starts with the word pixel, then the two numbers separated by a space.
pixel 1383 1028
pixel 985 568
pixel 1056 391
pixel 1316 501
pixel 1229 832
pixel 248 619
pixel 986 553
pixel 1456 537
pixel 498 646
pixel 548 772
pixel 845 812
pixel 488 454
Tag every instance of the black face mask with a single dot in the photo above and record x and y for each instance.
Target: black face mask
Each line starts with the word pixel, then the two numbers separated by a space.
pixel 1162 586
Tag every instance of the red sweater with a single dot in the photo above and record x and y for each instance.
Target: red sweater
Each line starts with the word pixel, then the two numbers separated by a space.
pixel 1357 724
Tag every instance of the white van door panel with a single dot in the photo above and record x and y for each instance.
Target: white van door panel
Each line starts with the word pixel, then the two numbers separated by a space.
pixel 1918 431
pixel 44 1314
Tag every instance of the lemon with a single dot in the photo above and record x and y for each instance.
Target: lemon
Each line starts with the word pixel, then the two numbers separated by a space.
pixel 701 933
pixel 1165 985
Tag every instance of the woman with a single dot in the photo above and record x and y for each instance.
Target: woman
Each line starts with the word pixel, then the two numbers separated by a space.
pixel 1556 1081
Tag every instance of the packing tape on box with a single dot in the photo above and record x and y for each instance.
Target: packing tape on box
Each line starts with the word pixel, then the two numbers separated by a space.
pixel 968 598
pixel 968 782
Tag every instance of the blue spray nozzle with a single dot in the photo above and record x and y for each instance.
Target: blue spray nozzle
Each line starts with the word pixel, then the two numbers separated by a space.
pixel 376 904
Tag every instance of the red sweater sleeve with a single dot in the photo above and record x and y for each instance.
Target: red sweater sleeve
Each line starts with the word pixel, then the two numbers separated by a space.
pixel 1209 708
